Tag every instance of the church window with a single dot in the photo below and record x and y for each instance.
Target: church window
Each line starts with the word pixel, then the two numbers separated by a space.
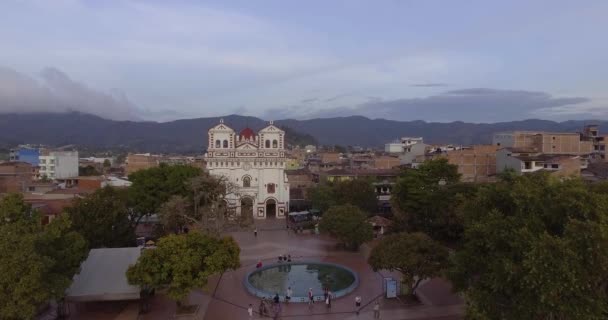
pixel 225 143
pixel 275 144
pixel 218 144
pixel 267 143
pixel 246 182
pixel 270 188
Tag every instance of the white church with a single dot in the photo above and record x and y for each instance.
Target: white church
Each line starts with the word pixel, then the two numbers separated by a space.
pixel 255 163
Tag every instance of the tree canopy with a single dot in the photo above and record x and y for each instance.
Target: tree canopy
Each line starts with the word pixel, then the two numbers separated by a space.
pixel 181 263
pixel 38 262
pixel 357 192
pixel 429 200
pixel 535 247
pixel 348 224
pixel 153 187
pixel 104 218
pixel 412 254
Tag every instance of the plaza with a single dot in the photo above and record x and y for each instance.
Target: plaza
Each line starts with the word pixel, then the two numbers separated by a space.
pixel 225 296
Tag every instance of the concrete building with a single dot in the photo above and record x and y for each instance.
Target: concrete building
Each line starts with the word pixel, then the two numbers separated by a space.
pixel 310 149
pixel 16 176
pixel 25 153
pixel 398 146
pixel 58 164
pixel 255 163
pixel 528 160
pixel 545 142
pixel 476 163
pixel 411 152
pixel 386 162
pixel 141 161
pixel 330 157
pixel 591 133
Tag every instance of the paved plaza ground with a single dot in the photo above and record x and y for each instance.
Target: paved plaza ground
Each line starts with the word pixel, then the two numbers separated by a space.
pixel 226 298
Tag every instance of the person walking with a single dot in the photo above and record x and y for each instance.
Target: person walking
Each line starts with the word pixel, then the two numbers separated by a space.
pixel 262 308
pixel 377 310
pixel 357 304
pixel 250 311
pixel 288 295
pixel 311 298
pixel 255 232
pixel 276 298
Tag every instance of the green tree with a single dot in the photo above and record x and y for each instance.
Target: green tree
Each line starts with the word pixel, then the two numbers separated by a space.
pixel 430 199
pixel 38 262
pixel 358 192
pixel 181 263
pixel 347 223
pixel 153 187
pixel 415 255
pixel 172 214
pixel 104 218
pixel 107 164
pixel 535 248
pixel 322 197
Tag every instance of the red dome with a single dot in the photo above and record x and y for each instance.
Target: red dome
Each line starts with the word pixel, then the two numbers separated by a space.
pixel 247 133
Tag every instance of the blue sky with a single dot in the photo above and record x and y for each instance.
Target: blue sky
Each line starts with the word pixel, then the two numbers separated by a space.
pixel 480 61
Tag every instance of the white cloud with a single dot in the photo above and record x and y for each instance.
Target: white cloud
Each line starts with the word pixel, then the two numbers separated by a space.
pixel 56 92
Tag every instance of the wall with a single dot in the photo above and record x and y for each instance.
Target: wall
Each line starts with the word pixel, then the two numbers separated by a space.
pixel 136 162
pixel 66 164
pixel 386 162
pixel 477 164
pixel 505 161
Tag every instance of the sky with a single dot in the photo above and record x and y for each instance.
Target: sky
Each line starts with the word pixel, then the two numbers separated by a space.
pixel 474 60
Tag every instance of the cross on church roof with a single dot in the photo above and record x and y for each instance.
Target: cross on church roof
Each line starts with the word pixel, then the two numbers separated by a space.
pixel 221 120
pixel 271 122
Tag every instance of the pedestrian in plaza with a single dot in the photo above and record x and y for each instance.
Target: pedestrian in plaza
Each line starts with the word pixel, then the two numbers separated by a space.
pixel 276 298
pixel 288 258
pixel 250 311
pixel 357 304
pixel 325 291
pixel 288 295
pixel 328 299
pixel 259 264
pixel 255 232
pixel 311 298
pixel 262 308
pixel 377 310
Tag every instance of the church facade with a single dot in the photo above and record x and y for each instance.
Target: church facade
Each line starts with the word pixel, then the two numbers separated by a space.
pixel 255 164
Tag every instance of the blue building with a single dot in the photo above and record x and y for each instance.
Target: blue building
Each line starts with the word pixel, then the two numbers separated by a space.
pixel 24 154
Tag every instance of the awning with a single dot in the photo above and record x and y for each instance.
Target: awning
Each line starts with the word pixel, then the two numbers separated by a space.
pixel 103 276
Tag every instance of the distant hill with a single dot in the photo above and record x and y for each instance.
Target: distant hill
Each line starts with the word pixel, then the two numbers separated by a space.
pixel 190 135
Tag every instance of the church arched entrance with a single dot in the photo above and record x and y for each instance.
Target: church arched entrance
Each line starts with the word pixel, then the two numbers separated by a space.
pixel 271 208
pixel 247 208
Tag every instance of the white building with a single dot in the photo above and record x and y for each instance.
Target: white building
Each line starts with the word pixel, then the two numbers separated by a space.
pixel 255 163
pixel 398 146
pixel 58 164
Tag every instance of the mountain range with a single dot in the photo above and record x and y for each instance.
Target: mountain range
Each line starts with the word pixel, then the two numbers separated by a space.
pixel 190 135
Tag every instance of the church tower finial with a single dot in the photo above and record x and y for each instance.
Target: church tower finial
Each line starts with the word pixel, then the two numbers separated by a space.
pixel 271 122
pixel 221 120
